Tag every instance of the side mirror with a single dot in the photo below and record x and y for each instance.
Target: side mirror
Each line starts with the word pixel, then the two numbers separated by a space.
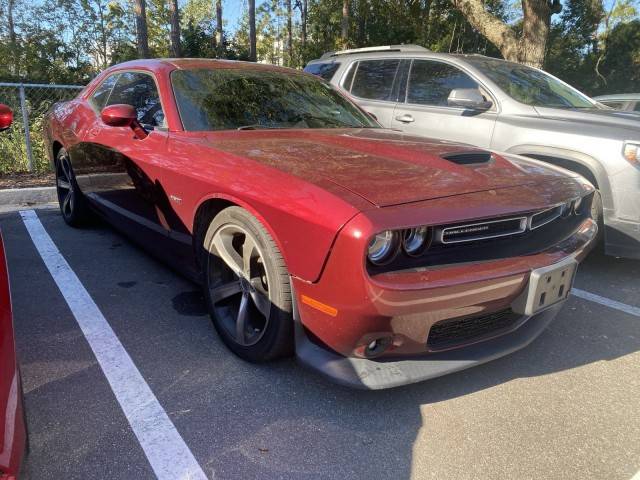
pixel 6 117
pixel 469 98
pixel 121 115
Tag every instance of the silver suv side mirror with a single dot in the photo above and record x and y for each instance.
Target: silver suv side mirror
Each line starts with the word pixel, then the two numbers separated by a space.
pixel 469 98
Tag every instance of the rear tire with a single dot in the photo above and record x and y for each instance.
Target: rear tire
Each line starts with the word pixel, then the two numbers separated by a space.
pixel 73 204
pixel 247 287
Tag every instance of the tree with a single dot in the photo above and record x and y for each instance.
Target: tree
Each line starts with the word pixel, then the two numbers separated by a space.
pixel 142 36
pixel 303 20
pixel 527 47
pixel 218 38
pixel 345 23
pixel 175 29
pixel 289 34
pixel 252 31
pixel 12 34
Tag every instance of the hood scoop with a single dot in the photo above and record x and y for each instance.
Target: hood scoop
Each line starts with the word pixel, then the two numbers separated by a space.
pixel 469 158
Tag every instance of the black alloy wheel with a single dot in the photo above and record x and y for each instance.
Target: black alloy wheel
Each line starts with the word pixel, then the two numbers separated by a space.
pixel 247 287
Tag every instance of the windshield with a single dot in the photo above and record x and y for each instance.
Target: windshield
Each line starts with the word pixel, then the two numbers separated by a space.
pixel 229 98
pixel 530 86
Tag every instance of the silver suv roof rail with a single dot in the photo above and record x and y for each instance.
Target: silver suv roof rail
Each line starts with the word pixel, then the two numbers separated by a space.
pixel 383 48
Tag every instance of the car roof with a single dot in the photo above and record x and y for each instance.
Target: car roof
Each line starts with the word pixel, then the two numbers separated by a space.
pixel 199 63
pixel 619 96
pixel 393 51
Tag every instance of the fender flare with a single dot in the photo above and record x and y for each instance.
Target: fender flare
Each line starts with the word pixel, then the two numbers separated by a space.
pixel 566 158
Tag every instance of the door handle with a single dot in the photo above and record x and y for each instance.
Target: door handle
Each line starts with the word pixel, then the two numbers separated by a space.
pixel 406 118
pixel 94 131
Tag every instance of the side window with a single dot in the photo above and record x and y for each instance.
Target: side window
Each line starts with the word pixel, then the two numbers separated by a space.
pixel 430 83
pixel 101 94
pixel 139 90
pixel 374 79
pixel 323 70
pixel 616 105
pixel 637 107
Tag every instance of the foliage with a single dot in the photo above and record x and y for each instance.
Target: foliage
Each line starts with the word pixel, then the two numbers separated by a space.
pixel 69 41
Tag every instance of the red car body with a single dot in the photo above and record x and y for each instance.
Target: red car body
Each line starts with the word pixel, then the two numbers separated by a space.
pixel 12 426
pixel 322 194
pixel 6 117
pixel 13 432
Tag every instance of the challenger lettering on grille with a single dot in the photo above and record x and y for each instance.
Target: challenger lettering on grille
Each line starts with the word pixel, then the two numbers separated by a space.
pixel 479 228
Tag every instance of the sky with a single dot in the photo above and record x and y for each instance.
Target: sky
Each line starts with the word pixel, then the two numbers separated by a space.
pixel 233 10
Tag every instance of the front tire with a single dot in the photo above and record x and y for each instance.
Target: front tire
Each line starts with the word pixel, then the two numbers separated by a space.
pixel 598 216
pixel 73 204
pixel 247 287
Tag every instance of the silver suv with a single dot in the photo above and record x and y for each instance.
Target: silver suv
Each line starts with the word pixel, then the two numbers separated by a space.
pixel 505 107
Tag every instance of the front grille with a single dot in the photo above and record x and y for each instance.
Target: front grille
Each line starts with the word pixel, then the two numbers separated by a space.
pixel 459 331
pixel 546 216
pixel 462 243
pixel 482 230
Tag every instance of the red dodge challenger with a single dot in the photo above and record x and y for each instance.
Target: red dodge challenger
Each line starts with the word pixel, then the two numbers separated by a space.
pixel 379 258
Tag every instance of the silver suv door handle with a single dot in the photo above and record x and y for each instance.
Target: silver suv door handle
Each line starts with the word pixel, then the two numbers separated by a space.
pixel 406 118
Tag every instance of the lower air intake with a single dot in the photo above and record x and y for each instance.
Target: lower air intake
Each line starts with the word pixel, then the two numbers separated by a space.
pixel 459 331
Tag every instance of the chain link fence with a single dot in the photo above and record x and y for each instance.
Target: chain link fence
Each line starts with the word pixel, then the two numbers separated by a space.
pixel 22 146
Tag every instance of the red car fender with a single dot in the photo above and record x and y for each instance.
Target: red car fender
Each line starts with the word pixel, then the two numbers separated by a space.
pixel 241 203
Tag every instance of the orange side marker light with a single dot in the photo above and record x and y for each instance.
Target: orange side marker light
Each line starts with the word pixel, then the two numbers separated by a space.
pixel 324 308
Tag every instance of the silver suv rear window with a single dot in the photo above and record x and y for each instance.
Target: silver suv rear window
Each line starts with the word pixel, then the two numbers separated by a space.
pixel 323 70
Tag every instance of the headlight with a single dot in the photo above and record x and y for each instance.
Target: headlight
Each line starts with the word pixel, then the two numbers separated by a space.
pixel 631 152
pixel 416 240
pixel 383 247
pixel 576 205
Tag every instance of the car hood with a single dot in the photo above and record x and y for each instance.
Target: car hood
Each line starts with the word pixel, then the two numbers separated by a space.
pixel 600 118
pixel 385 167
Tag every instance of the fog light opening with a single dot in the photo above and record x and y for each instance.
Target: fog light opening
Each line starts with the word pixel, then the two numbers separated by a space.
pixel 377 347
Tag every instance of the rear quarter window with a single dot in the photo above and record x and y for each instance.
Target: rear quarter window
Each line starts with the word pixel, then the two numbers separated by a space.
pixel 325 71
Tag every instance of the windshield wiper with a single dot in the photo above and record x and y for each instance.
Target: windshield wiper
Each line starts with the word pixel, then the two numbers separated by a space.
pixel 257 126
pixel 328 122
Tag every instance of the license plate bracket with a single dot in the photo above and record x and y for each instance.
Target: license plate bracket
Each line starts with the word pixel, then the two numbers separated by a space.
pixel 547 286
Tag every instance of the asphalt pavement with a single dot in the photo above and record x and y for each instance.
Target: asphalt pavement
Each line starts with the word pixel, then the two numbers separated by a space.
pixel 566 407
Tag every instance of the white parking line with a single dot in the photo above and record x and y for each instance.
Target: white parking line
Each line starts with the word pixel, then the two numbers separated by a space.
pixel 607 302
pixel 169 456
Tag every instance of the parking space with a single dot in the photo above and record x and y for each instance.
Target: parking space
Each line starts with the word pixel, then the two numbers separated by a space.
pixel 564 407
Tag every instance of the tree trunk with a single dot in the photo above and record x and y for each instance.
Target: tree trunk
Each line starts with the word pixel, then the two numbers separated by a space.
pixel 12 37
pixel 530 48
pixel 252 31
pixel 175 29
pixel 10 25
pixel 141 28
pixel 426 16
pixel 289 34
pixel 218 37
pixel 344 35
pixel 303 20
pixel 363 7
pixel 535 32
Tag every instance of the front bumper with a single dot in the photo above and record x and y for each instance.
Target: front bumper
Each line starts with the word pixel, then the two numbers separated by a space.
pixel 404 306
pixel 379 374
